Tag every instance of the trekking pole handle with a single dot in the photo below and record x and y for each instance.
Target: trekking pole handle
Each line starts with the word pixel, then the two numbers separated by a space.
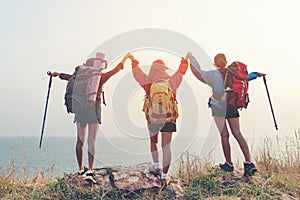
pixel 50 81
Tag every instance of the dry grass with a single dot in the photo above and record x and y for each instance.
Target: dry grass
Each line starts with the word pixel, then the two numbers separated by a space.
pixel 278 177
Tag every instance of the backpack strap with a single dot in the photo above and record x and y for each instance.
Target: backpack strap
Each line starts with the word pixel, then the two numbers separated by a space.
pixel 103 98
pixel 227 80
pixel 147 88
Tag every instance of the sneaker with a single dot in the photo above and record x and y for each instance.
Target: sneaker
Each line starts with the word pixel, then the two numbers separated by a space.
pixel 165 181
pixel 90 177
pixel 249 169
pixel 226 167
pixel 82 172
pixel 155 171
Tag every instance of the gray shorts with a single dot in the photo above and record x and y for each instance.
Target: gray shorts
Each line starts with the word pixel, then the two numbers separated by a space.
pixel 228 112
pixel 89 116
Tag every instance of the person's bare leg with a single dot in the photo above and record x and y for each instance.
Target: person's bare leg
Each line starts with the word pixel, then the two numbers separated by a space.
pixel 222 127
pixel 81 133
pixel 234 125
pixel 154 146
pixel 166 147
pixel 93 130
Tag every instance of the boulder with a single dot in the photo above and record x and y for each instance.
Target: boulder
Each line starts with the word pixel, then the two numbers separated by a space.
pixel 131 179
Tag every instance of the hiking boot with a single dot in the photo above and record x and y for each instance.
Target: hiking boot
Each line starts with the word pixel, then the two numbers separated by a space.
pixel 90 177
pixel 155 171
pixel 165 181
pixel 249 169
pixel 226 167
pixel 82 172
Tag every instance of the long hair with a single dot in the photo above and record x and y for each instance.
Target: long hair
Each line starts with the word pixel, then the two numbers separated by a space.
pixel 220 62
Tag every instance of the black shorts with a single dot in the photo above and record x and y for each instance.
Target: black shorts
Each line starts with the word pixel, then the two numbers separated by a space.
pixel 167 127
pixel 229 112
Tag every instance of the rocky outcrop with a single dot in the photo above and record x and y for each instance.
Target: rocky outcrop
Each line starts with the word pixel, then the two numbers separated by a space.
pixel 131 180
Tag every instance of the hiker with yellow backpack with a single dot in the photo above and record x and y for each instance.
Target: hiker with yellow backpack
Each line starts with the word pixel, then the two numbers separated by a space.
pixel 160 108
pixel 229 87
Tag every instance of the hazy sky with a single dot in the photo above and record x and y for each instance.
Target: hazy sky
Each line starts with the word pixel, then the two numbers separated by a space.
pixel 37 36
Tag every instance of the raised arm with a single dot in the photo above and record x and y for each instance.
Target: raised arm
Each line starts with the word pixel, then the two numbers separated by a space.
pixel 213 78
pixel 112 72
pixel 197 71
pixel 176 78
pixel 109 74
pixel 138 74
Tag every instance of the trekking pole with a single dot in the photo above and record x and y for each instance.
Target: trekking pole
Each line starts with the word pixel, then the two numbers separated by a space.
pixel 45 112
pixel 265 82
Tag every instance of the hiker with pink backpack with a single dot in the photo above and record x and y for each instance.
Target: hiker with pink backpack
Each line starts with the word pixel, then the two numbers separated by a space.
pixel 83 97
pixel 229 93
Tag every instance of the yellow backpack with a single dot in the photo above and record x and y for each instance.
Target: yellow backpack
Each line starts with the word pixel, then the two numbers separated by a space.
pixel 160 105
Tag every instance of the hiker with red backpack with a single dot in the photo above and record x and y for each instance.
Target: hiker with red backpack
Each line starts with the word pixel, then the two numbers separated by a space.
pixel 87 107
pixel 229 87
pixel 160 107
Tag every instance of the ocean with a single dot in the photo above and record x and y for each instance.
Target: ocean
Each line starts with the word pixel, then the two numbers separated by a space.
pixel 57 155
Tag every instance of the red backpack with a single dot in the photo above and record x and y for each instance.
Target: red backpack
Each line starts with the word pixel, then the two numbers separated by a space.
pixel 237 79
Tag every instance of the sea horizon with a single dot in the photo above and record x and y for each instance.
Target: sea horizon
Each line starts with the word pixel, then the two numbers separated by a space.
pixel 57 154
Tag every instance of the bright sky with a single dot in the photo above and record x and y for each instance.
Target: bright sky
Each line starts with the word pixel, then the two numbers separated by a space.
pixel 37 36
